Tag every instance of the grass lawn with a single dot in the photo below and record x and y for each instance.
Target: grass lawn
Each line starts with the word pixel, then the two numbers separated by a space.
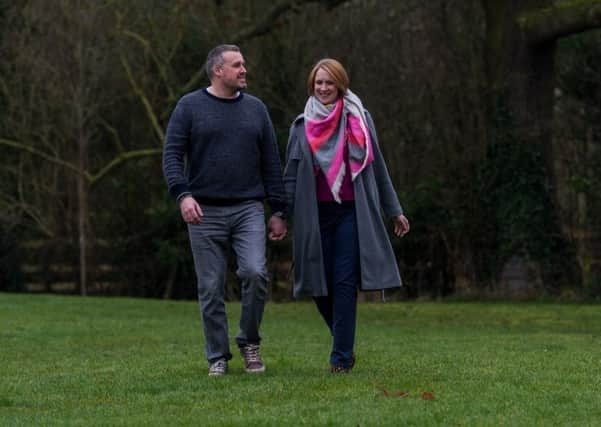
pixel 103 361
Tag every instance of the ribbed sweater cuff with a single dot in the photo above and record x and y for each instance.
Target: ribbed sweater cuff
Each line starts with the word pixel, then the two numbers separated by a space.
pixel 278 206
pixel 179 190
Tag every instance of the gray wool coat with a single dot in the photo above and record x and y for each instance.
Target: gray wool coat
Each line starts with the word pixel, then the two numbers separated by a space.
pixel 374 194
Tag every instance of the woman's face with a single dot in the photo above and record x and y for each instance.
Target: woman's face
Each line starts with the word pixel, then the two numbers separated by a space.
pixel 324 88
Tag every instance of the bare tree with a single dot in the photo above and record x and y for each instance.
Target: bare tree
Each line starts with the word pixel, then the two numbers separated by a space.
pixel 70 52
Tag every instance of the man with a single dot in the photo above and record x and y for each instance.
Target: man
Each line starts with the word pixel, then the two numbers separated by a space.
pixel 220 161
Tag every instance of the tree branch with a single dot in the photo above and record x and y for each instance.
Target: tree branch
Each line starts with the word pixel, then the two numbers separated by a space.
pixel 34 151
pixel 265 25
pixel 113 132
pixel 147 106
pixel 260 28
pixel 159 64
pixel 122 158
pixel 36 218
pixel 560 20
pixel 91 178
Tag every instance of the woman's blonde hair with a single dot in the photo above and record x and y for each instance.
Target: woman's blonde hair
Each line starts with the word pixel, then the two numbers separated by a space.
pixel 335 69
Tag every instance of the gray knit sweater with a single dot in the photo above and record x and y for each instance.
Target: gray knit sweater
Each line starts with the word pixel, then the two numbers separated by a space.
pixel 222 151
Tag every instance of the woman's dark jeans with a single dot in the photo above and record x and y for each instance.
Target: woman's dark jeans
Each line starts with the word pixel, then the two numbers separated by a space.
pixel 340 247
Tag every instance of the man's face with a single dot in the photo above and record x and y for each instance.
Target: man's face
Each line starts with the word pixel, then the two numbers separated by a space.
pixel 233 71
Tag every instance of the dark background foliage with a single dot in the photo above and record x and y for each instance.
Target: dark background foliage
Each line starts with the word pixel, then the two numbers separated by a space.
pixel 491 134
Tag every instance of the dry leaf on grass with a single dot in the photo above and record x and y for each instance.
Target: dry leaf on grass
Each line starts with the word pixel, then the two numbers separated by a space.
pixel 388 393
pixel 426 395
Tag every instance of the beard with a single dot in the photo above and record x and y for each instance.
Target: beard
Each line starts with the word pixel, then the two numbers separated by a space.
pixel 239 84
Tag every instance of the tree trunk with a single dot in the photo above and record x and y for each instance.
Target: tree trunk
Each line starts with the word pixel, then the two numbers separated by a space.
pixel 521 79
pixel 79 103
pixel 82 199
pixel 170 284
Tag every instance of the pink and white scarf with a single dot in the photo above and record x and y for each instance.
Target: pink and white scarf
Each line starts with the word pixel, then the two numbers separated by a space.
pixel 328 130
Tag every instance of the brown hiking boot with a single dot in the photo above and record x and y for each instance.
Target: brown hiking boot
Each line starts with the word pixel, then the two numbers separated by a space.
pixel 252 358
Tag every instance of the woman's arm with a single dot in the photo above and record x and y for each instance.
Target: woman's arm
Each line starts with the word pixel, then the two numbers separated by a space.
pixel 293 156
pixel 388 196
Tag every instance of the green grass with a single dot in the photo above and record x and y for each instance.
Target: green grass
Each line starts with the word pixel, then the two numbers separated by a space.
pixel 102 361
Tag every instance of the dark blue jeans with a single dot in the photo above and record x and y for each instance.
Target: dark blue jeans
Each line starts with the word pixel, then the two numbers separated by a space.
pixel 340 247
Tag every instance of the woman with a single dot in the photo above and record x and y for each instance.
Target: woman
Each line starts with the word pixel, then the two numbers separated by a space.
pixel 337 184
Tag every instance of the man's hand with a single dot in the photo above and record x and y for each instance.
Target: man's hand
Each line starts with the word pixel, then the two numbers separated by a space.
pixel 277 228
pixel 401 225
pixel 190 210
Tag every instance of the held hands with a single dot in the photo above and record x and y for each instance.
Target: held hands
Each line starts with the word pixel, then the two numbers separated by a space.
pixel 277 228
pixel 190 210
pixel 401 225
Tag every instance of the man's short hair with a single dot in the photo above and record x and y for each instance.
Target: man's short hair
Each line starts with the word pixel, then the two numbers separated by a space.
pixel 215 57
